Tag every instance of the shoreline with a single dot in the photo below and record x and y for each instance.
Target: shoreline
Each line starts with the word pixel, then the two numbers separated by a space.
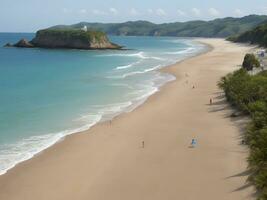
pixel 124 109
pixel 102 131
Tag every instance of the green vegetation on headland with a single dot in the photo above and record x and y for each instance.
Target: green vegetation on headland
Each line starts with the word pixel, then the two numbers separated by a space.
pixel 216 28
pixel 71 34
pixel 248 93
pixel 70 38
pixel 257 36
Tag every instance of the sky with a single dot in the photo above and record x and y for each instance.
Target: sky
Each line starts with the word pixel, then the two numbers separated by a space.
pixel 32 15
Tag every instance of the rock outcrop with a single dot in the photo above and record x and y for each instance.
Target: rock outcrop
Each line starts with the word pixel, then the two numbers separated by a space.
pixel 75 39
pixel 24 44
pixel 71 39
pixel 8 45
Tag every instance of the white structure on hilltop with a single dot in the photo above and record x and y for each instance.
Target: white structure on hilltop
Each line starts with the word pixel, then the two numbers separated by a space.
pixel 84 28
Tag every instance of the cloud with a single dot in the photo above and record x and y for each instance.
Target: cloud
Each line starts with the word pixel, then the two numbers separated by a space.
pixel 161 12
pixel 98 12
pixel 66 10
pixel 83 11
pixel 262 10
pixel 181 13
pixel 238 12
pixel 214 12
pixel 196 11
pixel 114 11
pixel 133 11
pixel 150 11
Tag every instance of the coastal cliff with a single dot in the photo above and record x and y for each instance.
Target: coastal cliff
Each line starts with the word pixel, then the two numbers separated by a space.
pixel 71 39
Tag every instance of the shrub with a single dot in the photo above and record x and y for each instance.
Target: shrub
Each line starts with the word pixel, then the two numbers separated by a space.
pixel 249 94
pixel 250 61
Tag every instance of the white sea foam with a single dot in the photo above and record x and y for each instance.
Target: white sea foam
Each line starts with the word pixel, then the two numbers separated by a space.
pixel 140 54
pixel 127 66
pixel 141 72
pixel 12 154
pixel 188 50
pixel 135 72
pixel 151 87
pixel 124 66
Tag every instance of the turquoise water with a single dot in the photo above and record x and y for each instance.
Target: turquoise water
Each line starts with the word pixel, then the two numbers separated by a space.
pixel 48 94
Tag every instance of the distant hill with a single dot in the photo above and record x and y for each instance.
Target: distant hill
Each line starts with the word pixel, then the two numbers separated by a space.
pixel 216 28
pixel 257 35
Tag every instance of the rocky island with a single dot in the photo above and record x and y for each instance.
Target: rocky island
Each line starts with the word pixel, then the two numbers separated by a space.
pixel 69 38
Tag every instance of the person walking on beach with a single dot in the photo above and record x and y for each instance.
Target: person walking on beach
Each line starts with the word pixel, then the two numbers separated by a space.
pixel 143 144
pixel 210 101
pixel 193 143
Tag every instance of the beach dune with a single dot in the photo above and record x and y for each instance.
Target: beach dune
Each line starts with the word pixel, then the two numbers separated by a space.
pixel 146 154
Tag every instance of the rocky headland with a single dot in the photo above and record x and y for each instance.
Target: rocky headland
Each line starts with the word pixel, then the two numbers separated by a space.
pixel 69 39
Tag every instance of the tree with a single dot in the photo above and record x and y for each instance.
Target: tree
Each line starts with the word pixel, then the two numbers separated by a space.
pixel 250 61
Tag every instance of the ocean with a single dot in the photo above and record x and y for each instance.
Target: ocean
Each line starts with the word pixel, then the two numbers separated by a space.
pixel 47 94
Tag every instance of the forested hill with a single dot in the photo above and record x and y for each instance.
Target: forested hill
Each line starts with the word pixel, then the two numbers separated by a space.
pixel 257 35
pixel 216 28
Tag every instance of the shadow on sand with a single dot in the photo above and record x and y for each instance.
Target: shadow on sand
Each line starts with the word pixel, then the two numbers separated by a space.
pixel 220 104
pixel 240 120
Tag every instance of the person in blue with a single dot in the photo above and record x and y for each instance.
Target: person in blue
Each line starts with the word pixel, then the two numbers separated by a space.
pixel 193 142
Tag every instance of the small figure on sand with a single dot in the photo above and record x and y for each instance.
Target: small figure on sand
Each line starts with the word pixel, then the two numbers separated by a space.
pixel 110 122
pixel 143 144
pixel 193 87
pixel 210 101
pixel 193 143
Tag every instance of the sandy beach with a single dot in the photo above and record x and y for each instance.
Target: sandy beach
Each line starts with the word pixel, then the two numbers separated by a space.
pixel 110 162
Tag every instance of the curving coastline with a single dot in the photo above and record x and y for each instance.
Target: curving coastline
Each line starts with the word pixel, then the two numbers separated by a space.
pixel 110 161
pixel 19 152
